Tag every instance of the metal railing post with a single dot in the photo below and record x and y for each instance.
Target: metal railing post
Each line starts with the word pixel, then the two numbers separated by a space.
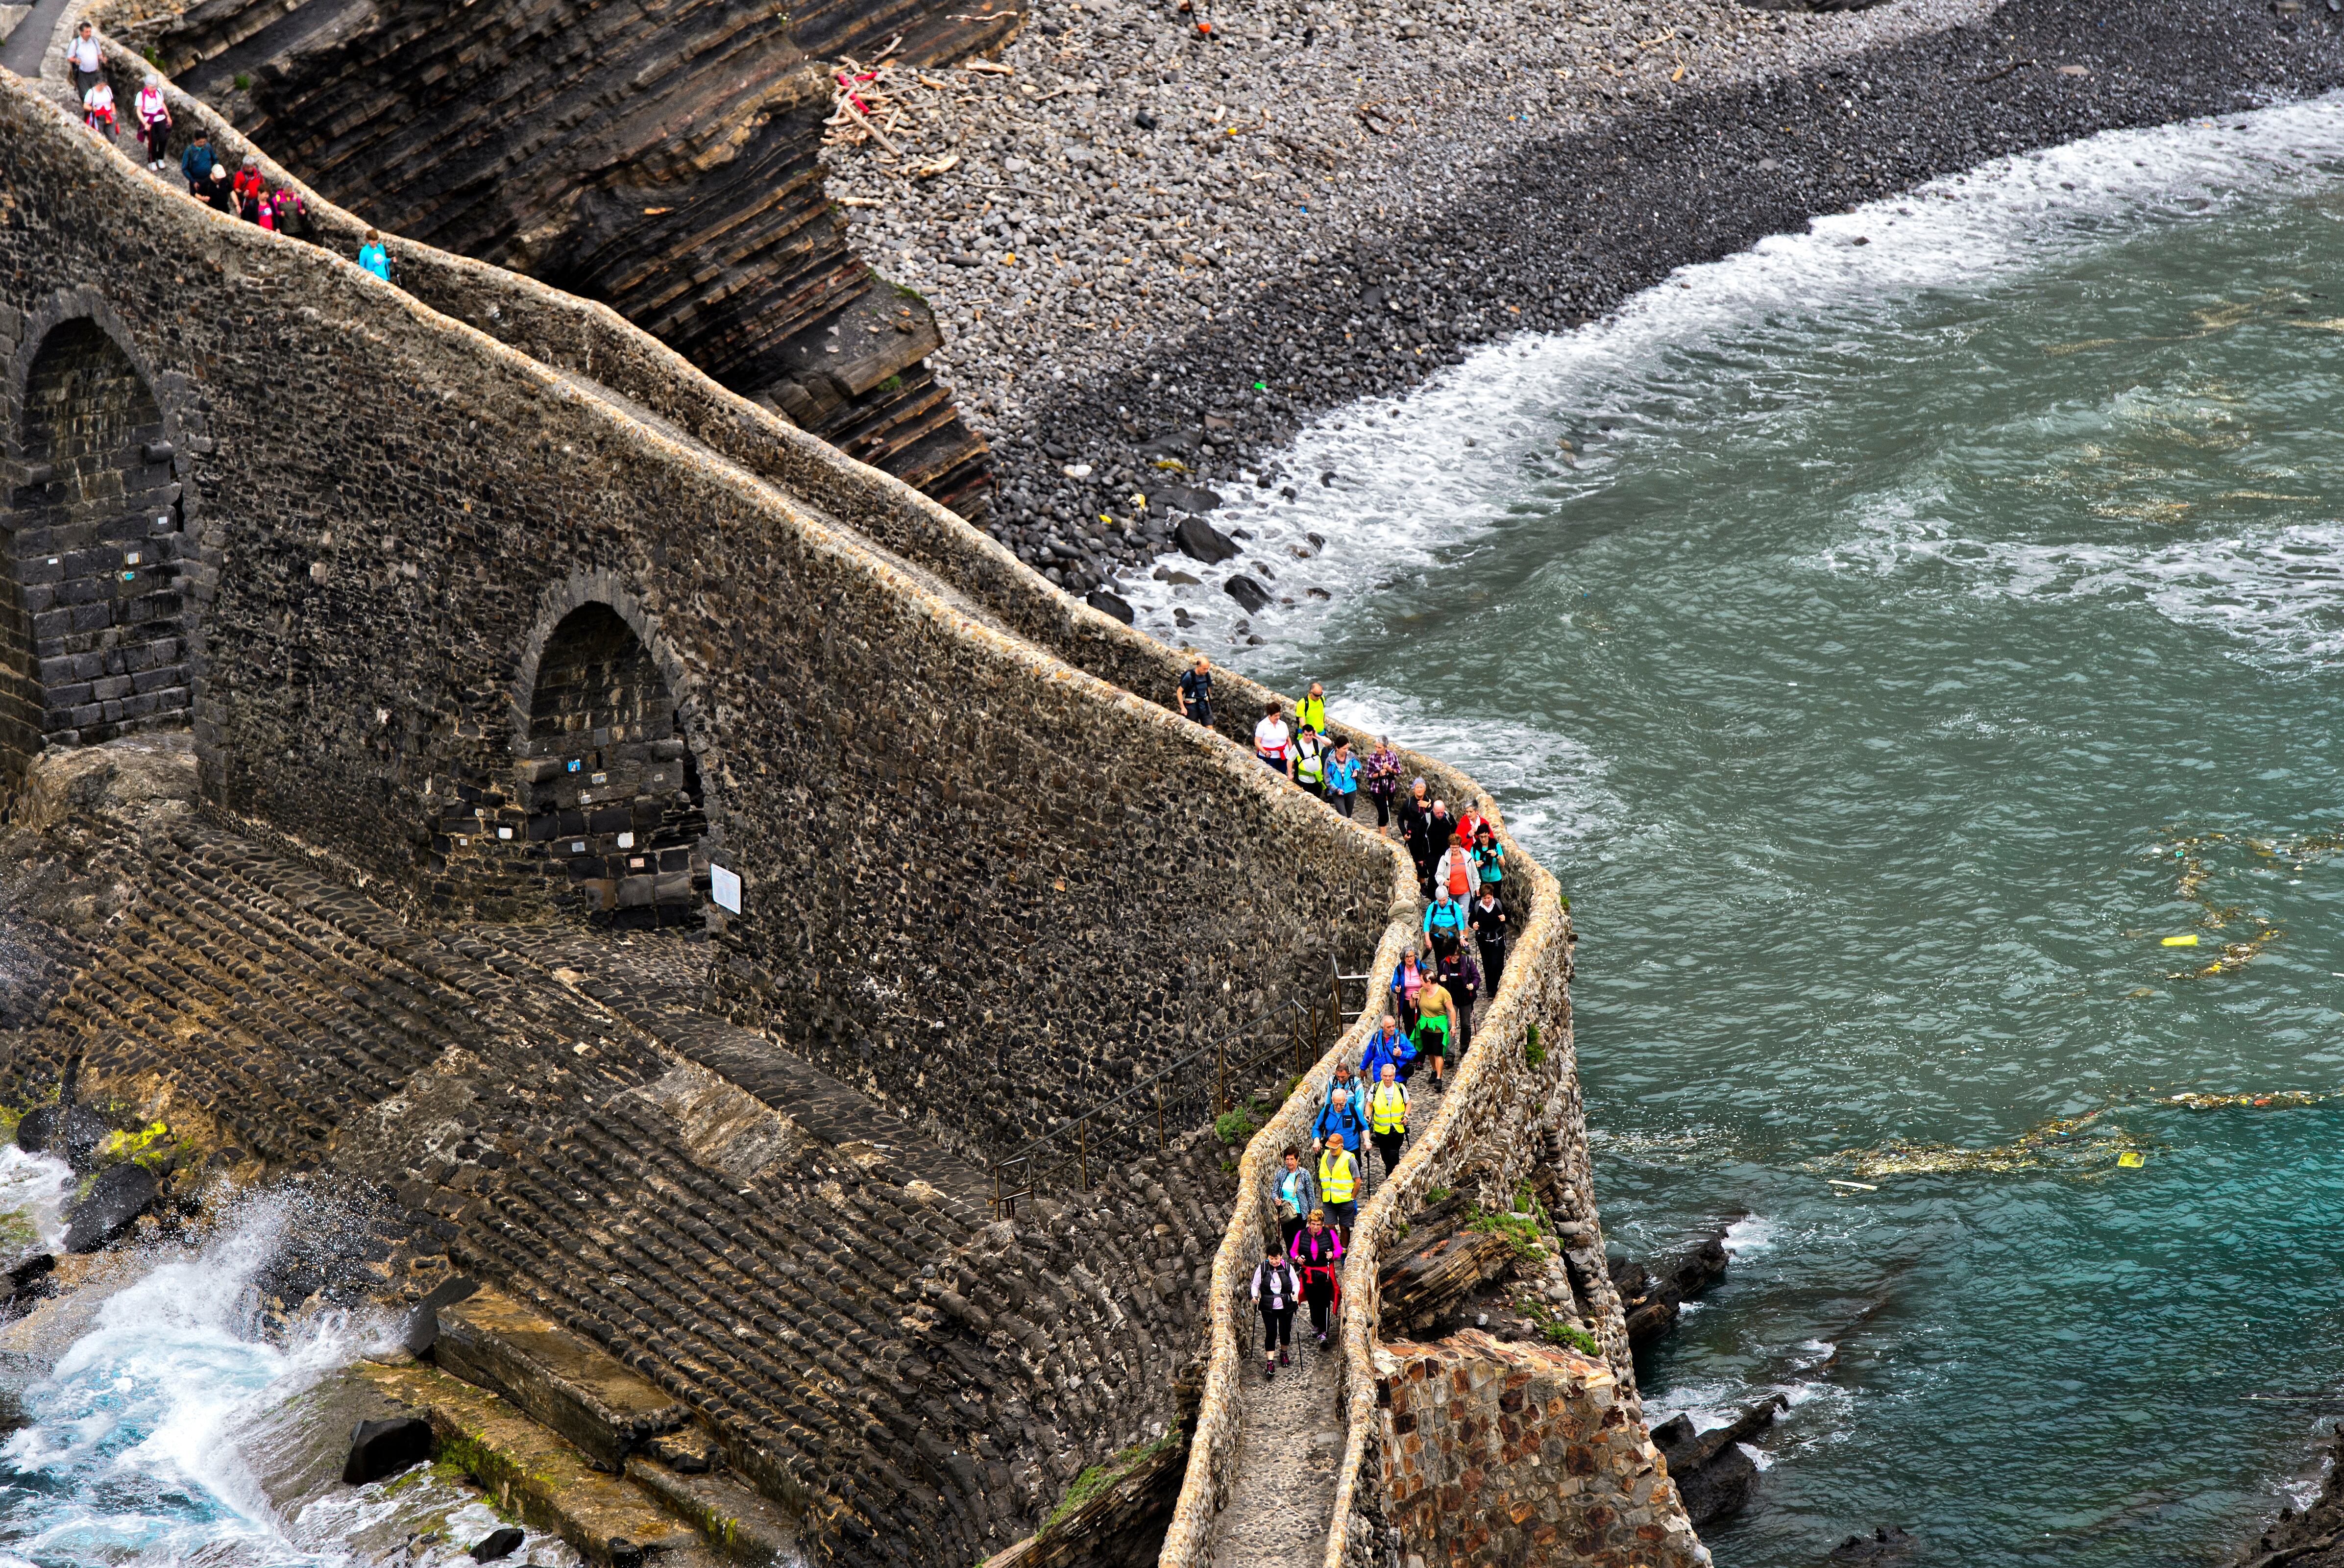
pixel 1220 1076
pixel 1160 1118
pixel 1083 1152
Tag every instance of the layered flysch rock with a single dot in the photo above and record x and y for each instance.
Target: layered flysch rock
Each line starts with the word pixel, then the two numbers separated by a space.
pixel 660 155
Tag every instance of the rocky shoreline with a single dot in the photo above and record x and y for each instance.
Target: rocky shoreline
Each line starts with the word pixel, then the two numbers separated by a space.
pixel 1116 245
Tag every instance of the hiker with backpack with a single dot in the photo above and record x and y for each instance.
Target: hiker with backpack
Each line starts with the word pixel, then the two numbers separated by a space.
pixel 1456 974
pixel 251 189
pixel 1379 773
pixel 1388 1117
pixel 1277 1291
pixel 1454 874
pixel 1343 1119
pixel 1310 713
pixel 1438 1036
pixel 1338 1182
pixel 1490 935
pixel 1416 832
pixel 1387 1047
pixel 1446 921
pixel 1310 760
pixel 1293 1194
pixel 1319 1251
pixel 1490 861
pixel 1406 984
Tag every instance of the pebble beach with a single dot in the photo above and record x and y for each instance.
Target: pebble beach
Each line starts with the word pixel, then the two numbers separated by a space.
pixel 1154 249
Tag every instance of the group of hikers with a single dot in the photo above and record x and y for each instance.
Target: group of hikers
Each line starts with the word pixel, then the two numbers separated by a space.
pixel 1460 868
pixel 243 192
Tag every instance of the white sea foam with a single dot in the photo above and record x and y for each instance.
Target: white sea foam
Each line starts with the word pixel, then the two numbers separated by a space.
pixel 34 1188
pixel 1750 1235
pixel 1409 494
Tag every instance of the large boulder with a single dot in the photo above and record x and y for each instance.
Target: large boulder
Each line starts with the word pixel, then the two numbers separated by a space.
pixel 1183 498
pixel 73 1136
pixel 118 1196
pixel 1114 604
pixel 1200 540
pixel 1248 592
pixel 381 1448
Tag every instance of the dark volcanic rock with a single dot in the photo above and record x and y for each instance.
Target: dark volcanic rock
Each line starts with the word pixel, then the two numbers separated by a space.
pixel 1714 1477
pixel 663 158
pixel 72 1138
pixel 117 1197
pixel 1248 592
pixel 496 1546
pixel 1186 498
pixel 1200 540
pixel 380 1448
pixel 1099 598
pixel 1883 1545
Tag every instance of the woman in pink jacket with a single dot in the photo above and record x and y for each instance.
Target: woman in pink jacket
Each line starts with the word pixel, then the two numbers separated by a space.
pixel 154 120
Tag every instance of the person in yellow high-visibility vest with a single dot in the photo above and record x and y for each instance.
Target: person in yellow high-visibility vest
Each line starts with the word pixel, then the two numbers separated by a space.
pixel 1388 1117
pixel 1339 1180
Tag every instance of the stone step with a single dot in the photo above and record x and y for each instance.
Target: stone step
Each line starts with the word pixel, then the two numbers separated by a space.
pixel 605 1411
pixel 741 1526
pixel 532 1473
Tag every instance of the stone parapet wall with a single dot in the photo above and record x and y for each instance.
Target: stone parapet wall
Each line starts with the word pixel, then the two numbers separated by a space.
pixel 933 818
pixel 1494 1455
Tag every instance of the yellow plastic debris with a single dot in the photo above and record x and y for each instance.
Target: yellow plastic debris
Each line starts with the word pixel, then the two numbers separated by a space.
pixel 2188 941
pixel 2132 1159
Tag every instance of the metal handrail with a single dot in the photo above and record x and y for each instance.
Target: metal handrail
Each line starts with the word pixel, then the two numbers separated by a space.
pixel 1307 1024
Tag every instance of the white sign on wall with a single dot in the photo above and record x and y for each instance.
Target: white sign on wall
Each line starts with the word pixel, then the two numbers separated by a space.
pixel 724 886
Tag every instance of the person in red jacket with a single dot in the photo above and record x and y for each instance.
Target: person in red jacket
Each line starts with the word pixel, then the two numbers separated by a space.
pixel 1319 1251
pixel 250 186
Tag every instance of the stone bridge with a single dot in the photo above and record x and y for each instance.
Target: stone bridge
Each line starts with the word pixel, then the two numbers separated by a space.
pixel 664 859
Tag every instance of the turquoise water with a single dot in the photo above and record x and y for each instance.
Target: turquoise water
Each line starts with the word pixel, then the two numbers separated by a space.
pixel 1915 633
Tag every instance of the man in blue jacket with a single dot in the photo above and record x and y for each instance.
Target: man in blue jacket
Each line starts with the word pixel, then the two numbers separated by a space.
pixel 1387 1047
pixel 1344 1117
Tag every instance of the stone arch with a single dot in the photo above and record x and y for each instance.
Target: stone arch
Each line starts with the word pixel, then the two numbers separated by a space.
pixel 610 787
pixel 95 631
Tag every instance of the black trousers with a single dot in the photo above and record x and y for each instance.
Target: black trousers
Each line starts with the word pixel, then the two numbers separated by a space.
pixel 1383 808
pixel 1493 963
pixel 1321 1298
pixel 1289 1229
pixel 1277 1325
pixel 1388 1147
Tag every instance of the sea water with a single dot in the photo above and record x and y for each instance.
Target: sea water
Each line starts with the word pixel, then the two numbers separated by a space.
pixel 150 1439
pixel 1891 637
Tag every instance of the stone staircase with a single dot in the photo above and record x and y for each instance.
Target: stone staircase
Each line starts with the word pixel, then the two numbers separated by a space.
pixel 550 1110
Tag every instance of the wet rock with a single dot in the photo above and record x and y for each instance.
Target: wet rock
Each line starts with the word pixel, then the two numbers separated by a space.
pixel 1714 1476
pixel 496 1546
pixel 1200 540
pixel 380 1448
pixel 1186 498
pixel 1107 603
pixel 423 1324
pixel 72 1136
pixel 1248 592
pixel 1884 1545
pixel 117 1197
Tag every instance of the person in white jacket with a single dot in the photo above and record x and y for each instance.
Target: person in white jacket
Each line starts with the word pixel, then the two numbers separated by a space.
pixel 154 118
pixel 1276 1290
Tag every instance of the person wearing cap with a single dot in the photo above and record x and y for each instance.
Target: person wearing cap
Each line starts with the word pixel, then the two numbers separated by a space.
pixel 87 60
pixel 154 116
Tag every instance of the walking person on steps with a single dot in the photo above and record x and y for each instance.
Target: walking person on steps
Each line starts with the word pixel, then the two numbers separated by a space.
pixel 1195 692
pixel 1293 1194
pixel 1380 774
pixel 1338 1185
pixel 1342 1120
pixel 1388 1117
pixel 154 116
pixel 1387 1047
pixel 1436 1033
pixel 1277 1291
pixel 87 60
pixel 1319 1251
pixel 1273 743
